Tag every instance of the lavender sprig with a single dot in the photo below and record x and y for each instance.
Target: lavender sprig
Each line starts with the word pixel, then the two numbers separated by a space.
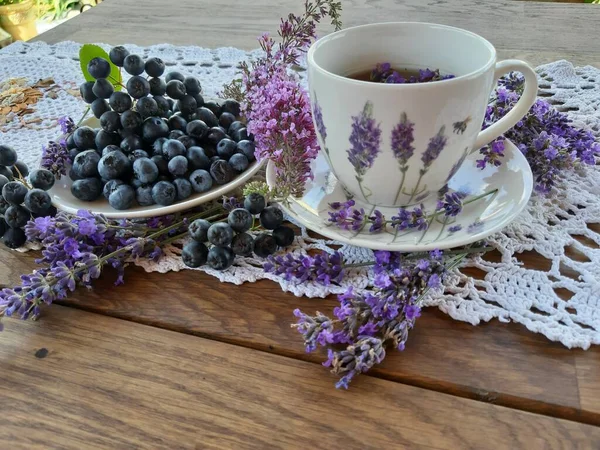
pixel 365 141
pixel 55 158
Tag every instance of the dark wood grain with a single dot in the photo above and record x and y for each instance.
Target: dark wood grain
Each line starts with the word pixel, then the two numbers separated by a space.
pixel 80 380
pixel 537 32
pixel 494 362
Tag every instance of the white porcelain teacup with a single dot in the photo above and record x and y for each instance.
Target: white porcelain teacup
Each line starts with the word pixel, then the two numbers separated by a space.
pixel 395 144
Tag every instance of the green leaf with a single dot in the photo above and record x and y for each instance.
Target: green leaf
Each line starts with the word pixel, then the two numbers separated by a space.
pixel 91 51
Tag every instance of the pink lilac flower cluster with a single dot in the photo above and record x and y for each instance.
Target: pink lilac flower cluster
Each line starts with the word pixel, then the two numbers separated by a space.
pixel 365 323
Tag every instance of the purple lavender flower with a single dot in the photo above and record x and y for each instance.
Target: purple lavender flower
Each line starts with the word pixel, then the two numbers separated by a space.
pixel 316 330
pixel 434 148
pixel 67 125
pixel 402 140
pixel 318 116
pixel 365 141
pixel 55 158
pixel 452 204
pixel 324 268
pixel 231 203
pixel 377 222
pixel 492 154
pixel 346 217
pixel 454 229
pixel 408 220
pixel 412 312
pixel 355 359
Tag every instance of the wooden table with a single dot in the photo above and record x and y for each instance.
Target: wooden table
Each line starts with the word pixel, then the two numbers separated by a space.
pixel 179 360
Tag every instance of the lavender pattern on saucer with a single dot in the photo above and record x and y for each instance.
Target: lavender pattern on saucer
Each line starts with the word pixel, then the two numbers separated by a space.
pixel 365 144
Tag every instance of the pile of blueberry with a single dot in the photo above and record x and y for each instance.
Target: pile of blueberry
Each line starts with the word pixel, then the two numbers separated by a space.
pixel 159 141
pixel 19 201
pixel 228 239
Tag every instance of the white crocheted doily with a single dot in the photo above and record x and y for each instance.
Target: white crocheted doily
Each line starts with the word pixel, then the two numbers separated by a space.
pixel 552 228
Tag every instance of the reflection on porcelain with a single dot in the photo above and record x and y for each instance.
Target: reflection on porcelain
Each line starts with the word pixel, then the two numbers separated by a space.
pixel 512 181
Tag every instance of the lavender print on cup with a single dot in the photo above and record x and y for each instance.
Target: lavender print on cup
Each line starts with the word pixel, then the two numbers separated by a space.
pixel 402 140
pixel 365 145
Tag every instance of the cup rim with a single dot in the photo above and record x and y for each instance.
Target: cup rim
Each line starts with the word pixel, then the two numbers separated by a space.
pixel 314 47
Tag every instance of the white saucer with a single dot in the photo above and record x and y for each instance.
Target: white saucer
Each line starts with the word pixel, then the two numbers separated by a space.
pixel 513 181
pixel 64 200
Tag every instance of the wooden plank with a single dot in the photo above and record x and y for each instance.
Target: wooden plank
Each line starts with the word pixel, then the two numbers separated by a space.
pixel 542 32
pixel 80 380
pixel 494 362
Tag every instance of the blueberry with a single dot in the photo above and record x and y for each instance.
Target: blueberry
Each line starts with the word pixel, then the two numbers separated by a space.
pixel 154 128
pixel 220 258
pixel 198 230
pixel 110 186
pixel 131 143
pixel 99 68
pixel 199 99
pixel 147 107
pixel 117 55
pixel 164 193
pixel 37 201
pixel 19 169
pixel 131 119
pixel 145 170
pixel 133 64
pixel 183 188
pixel 71 142
pixel 137 154
pixel 87 189
pixel 3 205
pixel 188 141
pixel 155 67
pixel 201 180
pixel 226 119
pixel 122 197
pixel 178 165
pixel 138 87
pixel 176 134
pixel 5 171
pixel 103 88
pixel 14 192
pixel 197 158
pixel 173 148
pixel 3 226
pixel 114 165
pixel 215 135
pixel 174 76
pixel 187 105
pixel 86 164
pixel 220 234
pixel 162 164
pixel 104 139
pixel 157 146
pixel 194 254
pixel 240 220
pixel 207 116
pixel 264 245
pixel 99 107
pixel 236 126
pixel 214 107
pixel 240 135
pixel 143 195
pixel 209 150
pixel 214 158
pixel 110 121
pixel 221 171
pixel 242 244
pixel 177 122
pixel 231 107
pixel 16 216
pixel 120 101
pixel 14 238
pixel 175 89
pixel 110 148
pixel 73 176
pixel 39 178
pixel 239 162
pixel 284 236
pixel 4 180
pixel 85 138
pixel 162 106
pixel 87 93
pixel 226 148
pixel 271 217
pixel 197 129
pixel 192 85
pixel 247 148
pixel 157 86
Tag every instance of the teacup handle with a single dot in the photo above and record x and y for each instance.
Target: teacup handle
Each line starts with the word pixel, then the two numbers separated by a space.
pixel 519 110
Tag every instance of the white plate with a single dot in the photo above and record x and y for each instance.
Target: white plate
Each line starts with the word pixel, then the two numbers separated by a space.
pixel 64 200
pixel 513 179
